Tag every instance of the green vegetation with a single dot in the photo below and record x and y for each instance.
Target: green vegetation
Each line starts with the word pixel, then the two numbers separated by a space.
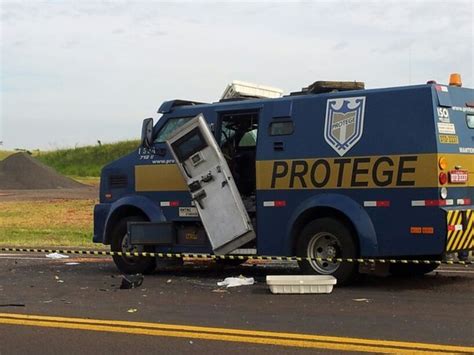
pixel 52 223
pixel 59 223
pixel 87 180
pixel 86 161
pixel 62 222
pixel 4 154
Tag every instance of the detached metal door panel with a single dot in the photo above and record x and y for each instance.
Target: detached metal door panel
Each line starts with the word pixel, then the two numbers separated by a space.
pixel 211 185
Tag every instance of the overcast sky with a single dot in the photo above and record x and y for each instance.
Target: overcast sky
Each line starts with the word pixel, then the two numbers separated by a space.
pixel 73 72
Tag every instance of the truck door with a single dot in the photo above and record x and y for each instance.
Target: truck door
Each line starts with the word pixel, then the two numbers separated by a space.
pixel 211 185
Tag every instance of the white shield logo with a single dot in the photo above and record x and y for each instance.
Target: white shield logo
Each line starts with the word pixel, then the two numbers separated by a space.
pixel 344 123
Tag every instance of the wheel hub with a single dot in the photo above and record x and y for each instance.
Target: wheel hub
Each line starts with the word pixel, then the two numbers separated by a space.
pixel 128 248
pixel 331 252
pixel 324 246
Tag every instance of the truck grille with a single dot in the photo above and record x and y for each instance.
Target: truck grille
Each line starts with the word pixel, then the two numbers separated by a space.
pixel 118 181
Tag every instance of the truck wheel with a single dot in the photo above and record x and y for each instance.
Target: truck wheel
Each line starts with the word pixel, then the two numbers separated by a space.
pixel 327 238
pixel 120 242
pixel 411 269
pixel 163 263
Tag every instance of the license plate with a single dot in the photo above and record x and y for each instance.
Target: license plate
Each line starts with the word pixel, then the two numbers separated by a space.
pixel 458 176
pixel 188 212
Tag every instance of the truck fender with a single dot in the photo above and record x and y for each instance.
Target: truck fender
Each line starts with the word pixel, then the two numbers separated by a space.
pixel 132 205
pixel 341 204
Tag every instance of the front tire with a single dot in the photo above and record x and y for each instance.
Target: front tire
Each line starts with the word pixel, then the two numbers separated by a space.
pixel 327 238
pixel 130 264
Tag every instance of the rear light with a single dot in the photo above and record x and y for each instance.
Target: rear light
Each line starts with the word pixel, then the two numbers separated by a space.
pixel 455 79
pixel 427 230
pixel 443 163
pixel 443 193
pixel 443 178
pixel 421 230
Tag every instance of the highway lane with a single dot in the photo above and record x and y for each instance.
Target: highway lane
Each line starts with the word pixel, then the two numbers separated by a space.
pixel 229 335
pixel 436 309
pixel 27 340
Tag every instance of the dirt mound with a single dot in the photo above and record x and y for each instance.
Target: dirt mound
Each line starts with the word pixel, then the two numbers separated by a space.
pixel 22 172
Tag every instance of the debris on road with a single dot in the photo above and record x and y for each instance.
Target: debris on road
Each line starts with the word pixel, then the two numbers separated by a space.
pixel 57 256
pixel 366 300
pixel 12 305
pixel 236 281
pixel 131 281
pixel 132 310
pixel 70 264
pixel 301 283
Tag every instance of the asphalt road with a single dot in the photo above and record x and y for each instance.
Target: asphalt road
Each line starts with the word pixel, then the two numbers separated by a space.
pixel 180 309
pixel 86 192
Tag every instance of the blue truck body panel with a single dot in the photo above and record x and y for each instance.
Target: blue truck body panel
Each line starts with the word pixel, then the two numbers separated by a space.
pixel 388 170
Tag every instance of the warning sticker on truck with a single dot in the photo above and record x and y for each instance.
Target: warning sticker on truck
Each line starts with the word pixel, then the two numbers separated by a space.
pixel 448 139
pixel 458 176
pixel 446 128
pixel 443 114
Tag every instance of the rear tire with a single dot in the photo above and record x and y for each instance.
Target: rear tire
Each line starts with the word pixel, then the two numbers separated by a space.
pixel 411 269
pixel 328 238
pixel 130 264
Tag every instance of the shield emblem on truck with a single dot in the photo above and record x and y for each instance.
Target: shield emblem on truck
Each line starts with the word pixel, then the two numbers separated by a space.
pixel 344 123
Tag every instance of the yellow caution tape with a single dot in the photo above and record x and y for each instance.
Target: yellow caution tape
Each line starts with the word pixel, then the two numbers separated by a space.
pixel 234 256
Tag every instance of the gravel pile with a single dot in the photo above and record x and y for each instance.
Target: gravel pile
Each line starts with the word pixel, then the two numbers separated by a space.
pixel 22 172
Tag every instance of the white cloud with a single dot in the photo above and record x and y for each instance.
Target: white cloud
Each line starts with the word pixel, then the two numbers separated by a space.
pixel 75 72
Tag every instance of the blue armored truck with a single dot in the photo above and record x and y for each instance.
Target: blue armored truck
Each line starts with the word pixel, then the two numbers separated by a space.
pixel 331 171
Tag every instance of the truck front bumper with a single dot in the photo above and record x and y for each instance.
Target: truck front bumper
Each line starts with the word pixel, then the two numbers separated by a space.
pixel 101 212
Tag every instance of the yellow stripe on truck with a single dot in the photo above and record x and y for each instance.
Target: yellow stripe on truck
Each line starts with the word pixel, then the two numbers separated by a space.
pixel 399 171
pixel 159 177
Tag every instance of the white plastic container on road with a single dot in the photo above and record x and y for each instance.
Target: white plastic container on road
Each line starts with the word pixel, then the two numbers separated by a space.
pixel 301 283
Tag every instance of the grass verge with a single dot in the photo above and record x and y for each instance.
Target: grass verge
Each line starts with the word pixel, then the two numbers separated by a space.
pixel 4 154
pixel 55 223
pixel 86 161
pixel 87 180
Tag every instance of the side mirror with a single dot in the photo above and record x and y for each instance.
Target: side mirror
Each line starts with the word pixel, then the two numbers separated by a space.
pixel 147 133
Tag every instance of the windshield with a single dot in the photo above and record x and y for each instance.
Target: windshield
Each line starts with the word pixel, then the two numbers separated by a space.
pixel 169 127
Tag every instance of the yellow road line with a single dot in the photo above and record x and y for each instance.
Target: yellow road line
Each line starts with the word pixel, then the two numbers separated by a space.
pixel 232 335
